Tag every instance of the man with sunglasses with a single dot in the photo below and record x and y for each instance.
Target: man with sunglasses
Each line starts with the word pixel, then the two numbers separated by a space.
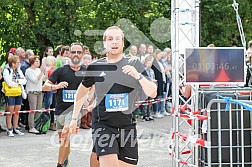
pixel 67 84
pixel 117 81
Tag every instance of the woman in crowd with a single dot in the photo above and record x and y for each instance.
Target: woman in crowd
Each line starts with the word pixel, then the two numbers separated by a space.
pixel 5 63
pixel 13 77
pixel 160 76
pixel 34 76
pixel 47 52
pixel 147 64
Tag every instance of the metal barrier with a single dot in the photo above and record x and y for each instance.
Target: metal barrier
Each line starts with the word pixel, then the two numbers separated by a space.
pixel 228 133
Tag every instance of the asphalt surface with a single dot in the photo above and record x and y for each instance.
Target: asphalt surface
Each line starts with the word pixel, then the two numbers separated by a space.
pixel 33 150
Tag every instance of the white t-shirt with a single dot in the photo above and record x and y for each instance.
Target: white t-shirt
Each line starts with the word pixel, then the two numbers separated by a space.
pixel 33 84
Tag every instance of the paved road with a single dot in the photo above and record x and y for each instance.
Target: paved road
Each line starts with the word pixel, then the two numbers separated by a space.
pixel 41 150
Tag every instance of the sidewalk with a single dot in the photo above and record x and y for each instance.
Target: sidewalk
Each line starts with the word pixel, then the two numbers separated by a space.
pixel 42 150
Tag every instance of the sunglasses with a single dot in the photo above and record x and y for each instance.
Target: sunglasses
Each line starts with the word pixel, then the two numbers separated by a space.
pixel 74 52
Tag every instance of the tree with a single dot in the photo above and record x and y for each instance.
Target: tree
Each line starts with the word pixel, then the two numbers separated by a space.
pixel 36 24
pixel 218 22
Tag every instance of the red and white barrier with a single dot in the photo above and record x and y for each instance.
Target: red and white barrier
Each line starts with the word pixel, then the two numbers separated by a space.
pixel 138 103
pixel 181 161
pixel 190 115
pixel 194 139
pixel 152 101
pixel 188 138
pixel 198 117
pixel 26 111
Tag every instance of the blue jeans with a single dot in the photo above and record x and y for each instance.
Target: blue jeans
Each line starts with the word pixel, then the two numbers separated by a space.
pixel 160 106
pixel 48 99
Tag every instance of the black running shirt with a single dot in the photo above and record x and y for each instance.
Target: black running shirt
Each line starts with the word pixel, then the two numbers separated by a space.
pixel 116 92
pixel 65 97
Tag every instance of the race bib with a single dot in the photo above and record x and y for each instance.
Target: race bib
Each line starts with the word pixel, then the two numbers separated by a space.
pixel 117 102
pixel 68 95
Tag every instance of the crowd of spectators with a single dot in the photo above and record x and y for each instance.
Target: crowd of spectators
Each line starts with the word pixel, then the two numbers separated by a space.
pixel 30 71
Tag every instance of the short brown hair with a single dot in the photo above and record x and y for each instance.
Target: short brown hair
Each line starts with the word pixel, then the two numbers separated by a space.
pixel 12 59
pixel 32 59
pixel 63 49
pixel 112 28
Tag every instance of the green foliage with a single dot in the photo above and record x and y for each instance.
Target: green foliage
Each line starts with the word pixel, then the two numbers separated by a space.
pixel 219 25
pixel 37 24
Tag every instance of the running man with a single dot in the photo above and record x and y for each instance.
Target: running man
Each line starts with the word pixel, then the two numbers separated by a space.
pixel 67 85
pixel 117 81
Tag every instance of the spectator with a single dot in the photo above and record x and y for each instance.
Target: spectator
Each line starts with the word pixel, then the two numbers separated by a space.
pixel 87 59
pixel 1 128
pixel 47 52
pixel 48 95
pixel 26 63
pixel 150 49
pixel 13 50
pixel 25 106
pixel 159 70
pixel 23 65
pixel 142 52
pixel 249 72
pixel 147 64
pixel 166 60
pixel 249 50
pixel 21 54
pixel 58 51
pixel 86 50
pixel 34 76
pixel 5 63
pixel 87 117
pixel 132 51
pixel 13 77
pixel 64 59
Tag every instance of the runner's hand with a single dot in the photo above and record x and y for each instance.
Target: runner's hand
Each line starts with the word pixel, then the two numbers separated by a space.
pixel 130 70
pixel 73 127
pixel 62 85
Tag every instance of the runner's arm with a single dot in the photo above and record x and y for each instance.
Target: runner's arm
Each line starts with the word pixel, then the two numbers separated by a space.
pixel 149 87
pixel 81 95
pixel 49 86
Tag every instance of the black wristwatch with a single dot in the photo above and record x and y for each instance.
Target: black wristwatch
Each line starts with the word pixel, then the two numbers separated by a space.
pixel 141 77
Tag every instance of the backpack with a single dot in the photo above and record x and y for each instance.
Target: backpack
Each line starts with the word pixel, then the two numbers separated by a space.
pixel 42 122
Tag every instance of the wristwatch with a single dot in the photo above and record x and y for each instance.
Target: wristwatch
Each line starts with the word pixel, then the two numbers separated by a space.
pixel 141 77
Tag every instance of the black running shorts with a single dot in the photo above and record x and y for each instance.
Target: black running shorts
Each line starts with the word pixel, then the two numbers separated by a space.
pixel 123 142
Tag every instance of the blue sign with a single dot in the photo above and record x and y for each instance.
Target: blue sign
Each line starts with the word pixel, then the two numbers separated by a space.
pixel 117 102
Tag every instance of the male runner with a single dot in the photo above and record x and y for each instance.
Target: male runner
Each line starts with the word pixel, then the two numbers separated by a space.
pixel 117 81
pixel 67 84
